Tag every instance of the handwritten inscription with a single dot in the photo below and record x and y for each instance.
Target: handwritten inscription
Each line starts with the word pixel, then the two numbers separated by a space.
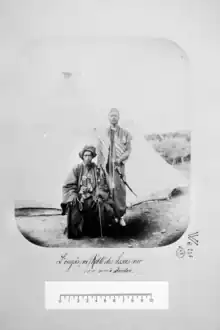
pixel 180 252
pixel 193 241
pixel 192 238
pixel 94 264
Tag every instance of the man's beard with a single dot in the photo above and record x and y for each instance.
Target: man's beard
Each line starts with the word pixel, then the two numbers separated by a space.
pixel 88 164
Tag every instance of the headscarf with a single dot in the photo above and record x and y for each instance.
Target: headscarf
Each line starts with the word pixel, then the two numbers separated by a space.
pixel 89 148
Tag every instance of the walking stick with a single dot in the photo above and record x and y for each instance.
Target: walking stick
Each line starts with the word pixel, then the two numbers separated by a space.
pixel 100 218
pixel 98 173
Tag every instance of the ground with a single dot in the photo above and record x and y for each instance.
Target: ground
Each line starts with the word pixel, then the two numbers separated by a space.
pixel 161 223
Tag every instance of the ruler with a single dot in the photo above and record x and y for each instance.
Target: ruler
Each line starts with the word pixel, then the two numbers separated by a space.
pixel 106 295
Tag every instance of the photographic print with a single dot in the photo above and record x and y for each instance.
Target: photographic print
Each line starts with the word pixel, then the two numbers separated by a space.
pixel 105 147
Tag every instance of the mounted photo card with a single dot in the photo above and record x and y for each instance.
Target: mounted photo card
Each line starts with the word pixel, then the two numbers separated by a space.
pixel 101 175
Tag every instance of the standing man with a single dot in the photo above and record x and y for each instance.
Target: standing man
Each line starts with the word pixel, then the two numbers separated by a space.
pixel 119 149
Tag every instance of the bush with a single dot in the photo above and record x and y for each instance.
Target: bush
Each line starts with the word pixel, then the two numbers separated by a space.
pixel 173 147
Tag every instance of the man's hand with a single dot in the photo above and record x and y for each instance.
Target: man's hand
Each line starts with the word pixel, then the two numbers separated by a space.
pixel 69 204
pixel 99 199
pixel 96 200
pixel 83 190
pixel 102 194
pixel 74 199
pixel 117 163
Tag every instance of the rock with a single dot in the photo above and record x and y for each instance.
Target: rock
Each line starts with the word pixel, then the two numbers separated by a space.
pixel 163 231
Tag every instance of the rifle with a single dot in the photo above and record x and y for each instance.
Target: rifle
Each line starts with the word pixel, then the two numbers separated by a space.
pixel 101 167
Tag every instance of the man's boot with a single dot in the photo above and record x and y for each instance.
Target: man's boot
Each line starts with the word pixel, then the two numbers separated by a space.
pixel 122 222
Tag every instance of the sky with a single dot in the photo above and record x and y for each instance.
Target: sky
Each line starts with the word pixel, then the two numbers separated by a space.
pixel 146 79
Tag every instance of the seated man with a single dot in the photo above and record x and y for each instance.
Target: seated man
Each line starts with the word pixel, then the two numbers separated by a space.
pixel 84 187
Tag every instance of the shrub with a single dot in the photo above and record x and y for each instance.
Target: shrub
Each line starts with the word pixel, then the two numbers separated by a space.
pixel 173 147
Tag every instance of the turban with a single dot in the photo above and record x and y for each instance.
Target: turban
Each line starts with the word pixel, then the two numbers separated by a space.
pixel 88 148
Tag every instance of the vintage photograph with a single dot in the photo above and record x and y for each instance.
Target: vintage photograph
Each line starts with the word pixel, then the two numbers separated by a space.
pixel 104 152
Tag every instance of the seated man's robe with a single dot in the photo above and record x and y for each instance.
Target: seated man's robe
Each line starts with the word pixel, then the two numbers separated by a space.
pixel 81 188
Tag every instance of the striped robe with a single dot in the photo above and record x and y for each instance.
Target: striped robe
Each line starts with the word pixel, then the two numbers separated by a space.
pixel 115 146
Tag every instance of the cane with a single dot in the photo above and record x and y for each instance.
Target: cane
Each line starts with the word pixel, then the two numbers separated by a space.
pixel 100 217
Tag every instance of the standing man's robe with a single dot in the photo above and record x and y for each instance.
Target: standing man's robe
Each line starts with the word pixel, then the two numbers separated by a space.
pixel 116 147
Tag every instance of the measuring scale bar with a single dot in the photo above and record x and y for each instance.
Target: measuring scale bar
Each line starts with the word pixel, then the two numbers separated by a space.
pixel 106 295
